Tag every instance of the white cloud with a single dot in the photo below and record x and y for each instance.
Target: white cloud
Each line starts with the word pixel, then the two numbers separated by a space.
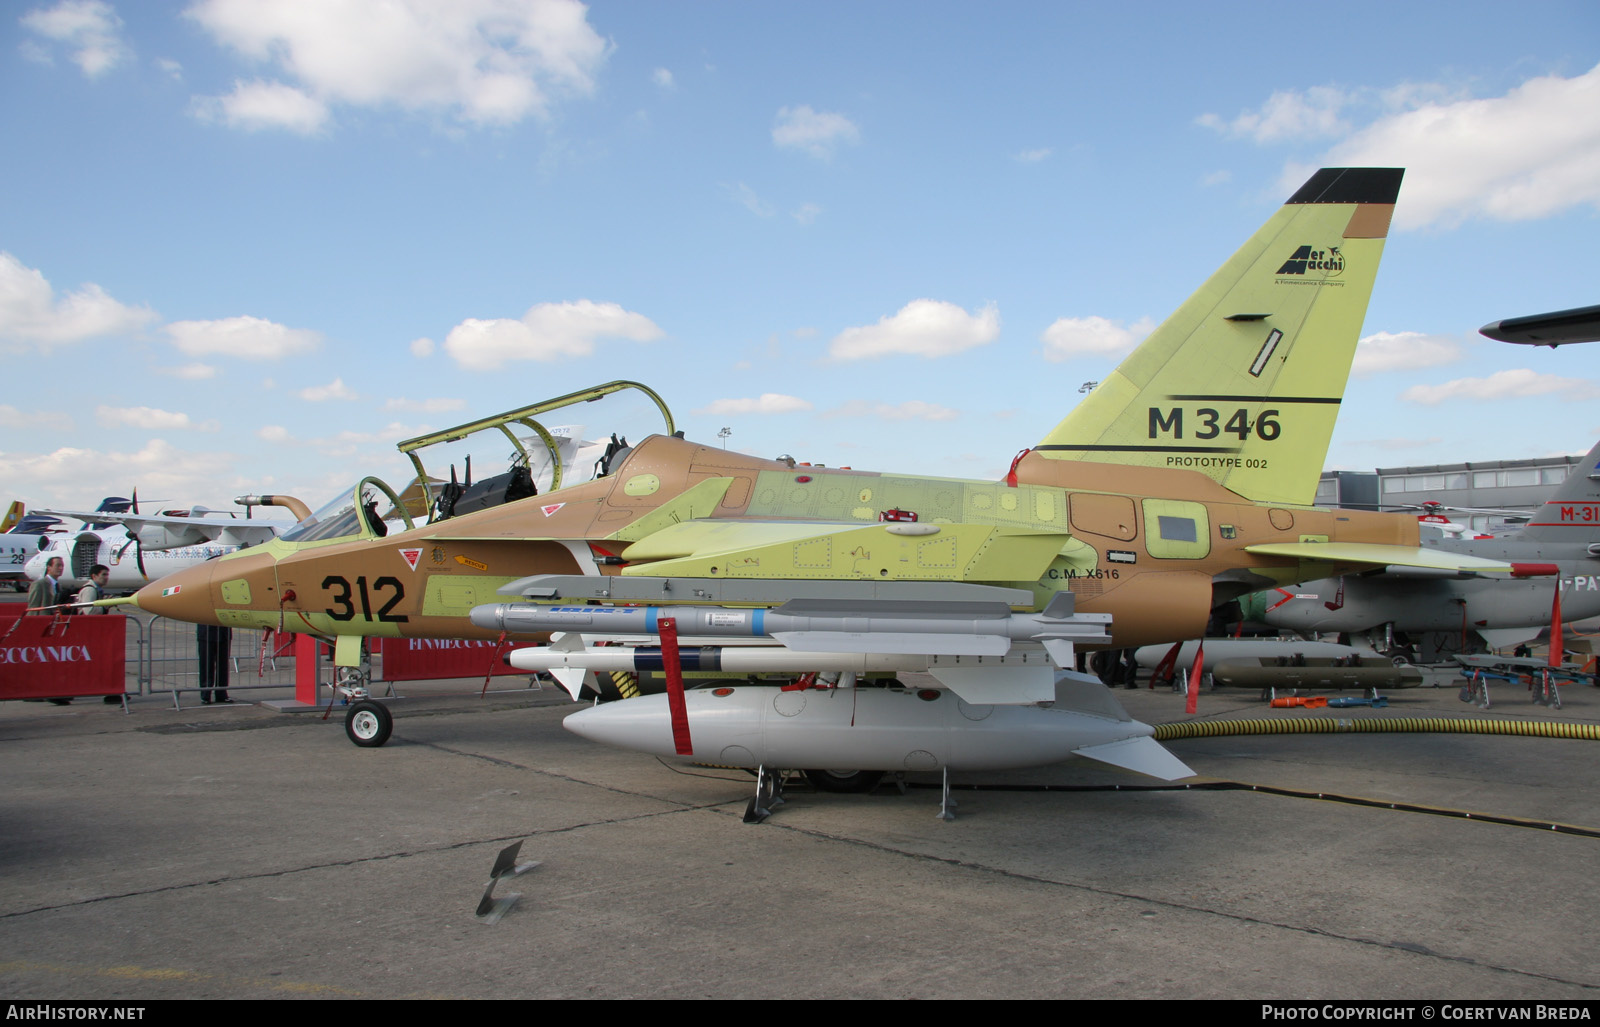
pixel 1288 115
pixel 422 347
pixel 272 433
pixel 394 431
pixel 1071 337
pixel 190 372
pixel 249 338
pixel 924 328
pixel 257 104
pixel 31 313
pixel 90 28
pixel 815 132
pixel 159 468
pixel 424 406
pixel 171 67
pixel 484 62
pixel 148 418
pixel 766 403
pixel 321 393
pixel 1031 156
pixel 1529 154
pixel 1403 351
pixel 11 417
pixel 910 410
pixel 746 197
pixel 548 331
pixel 806 213
pixel 1517 383
pixel 662 77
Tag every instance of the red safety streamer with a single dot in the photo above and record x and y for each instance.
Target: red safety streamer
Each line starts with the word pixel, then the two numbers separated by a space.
pixel 1011 475
pixel 1167 669
pixel 668 627
pixel 499 649
pixel 1194 677
pixel 1557 645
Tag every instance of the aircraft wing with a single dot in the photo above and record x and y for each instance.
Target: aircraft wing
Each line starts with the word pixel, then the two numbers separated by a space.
pixel 158 532
pixel 1581 324
pixel 714 548
pixel 1375 555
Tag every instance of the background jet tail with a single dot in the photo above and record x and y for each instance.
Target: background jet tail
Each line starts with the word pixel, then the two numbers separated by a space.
pixel 1573 513
pixel 1243 381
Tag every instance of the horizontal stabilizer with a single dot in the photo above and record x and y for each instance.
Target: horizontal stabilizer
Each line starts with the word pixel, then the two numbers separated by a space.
pixel 1141 755
pixel 1377 555
pixel 982 686
pixel 1084 693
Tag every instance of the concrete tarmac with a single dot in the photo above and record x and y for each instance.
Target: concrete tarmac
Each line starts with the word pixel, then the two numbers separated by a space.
pixel 237 852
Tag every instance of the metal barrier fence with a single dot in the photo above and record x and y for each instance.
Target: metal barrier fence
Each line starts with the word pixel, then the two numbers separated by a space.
pixel 169 659
pixel 166 654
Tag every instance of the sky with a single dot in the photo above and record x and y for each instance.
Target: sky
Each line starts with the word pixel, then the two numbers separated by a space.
pixel 249 245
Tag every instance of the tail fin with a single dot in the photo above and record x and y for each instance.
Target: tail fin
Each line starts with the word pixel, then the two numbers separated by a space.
pixel 1573 513
pixel 13 515
pixel 1243 381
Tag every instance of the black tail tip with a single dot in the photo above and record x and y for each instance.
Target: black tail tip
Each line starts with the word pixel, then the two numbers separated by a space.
pixel 1351 185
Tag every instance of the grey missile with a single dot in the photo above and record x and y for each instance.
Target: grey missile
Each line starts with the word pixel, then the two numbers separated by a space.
pixel 828 625
pixel 1023 675
pixel 887 729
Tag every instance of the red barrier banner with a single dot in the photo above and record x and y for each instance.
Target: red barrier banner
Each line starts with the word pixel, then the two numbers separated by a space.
pixel 421 659
pixel 44 657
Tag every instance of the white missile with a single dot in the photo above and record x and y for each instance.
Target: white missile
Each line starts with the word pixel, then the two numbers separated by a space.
pixel 887 729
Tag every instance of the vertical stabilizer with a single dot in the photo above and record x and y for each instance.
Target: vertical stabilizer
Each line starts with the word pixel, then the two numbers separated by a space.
pixel 1243 381
pixel 1573 513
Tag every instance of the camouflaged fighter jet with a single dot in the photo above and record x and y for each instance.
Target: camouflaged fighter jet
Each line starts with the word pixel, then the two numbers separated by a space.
pixel 1395 608
pixel 1176 485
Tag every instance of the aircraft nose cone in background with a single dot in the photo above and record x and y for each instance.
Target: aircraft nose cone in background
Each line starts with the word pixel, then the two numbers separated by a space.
pixel 183 595
pixel 33 570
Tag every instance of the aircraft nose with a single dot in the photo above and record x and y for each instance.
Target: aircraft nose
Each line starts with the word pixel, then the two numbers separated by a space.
pixel 182 595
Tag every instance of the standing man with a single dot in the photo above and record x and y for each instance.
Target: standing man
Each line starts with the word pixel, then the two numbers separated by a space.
pixel 42 596
pixel 95 589
pixel 215 646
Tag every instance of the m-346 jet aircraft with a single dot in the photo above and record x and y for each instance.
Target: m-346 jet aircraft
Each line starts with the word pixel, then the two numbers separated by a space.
pixel 1558 549
pixel 1172 488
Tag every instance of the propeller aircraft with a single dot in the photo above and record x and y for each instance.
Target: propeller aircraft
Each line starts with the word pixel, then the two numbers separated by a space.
pixel 140 548
pixel 1178 484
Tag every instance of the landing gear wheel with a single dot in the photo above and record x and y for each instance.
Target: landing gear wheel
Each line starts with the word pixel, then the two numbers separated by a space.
pixel 844 782
pixel 368 724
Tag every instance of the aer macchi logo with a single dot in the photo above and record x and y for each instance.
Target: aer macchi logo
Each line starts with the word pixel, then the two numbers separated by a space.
pixel 1306 260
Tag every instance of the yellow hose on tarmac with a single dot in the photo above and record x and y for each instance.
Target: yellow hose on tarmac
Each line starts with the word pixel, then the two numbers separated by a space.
pixel 1376 725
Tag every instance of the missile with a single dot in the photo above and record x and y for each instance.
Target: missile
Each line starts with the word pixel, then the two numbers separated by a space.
pixel 890 729
pixel 912 627
pixel 749 659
